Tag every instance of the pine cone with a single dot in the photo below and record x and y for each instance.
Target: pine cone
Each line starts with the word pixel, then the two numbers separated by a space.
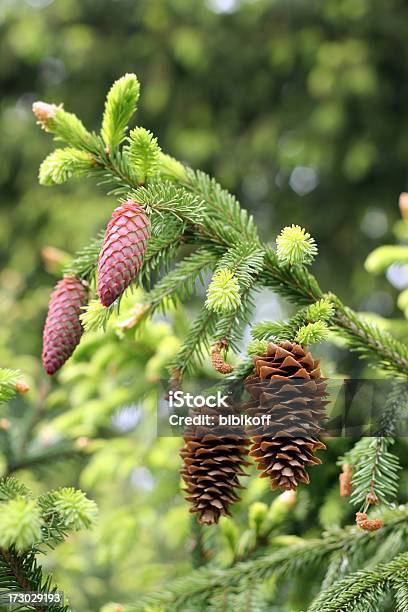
pixel 287 386
pixel 63 328
pixel 122 251
pixel 213 459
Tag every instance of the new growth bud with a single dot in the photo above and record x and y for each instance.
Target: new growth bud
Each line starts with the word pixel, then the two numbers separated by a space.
pixel 44 112
pixel 295 246
pixel 22 387
pixel 312 333
pixel 223 292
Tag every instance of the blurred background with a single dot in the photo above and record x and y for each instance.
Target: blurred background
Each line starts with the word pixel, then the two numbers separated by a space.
pixel 300 108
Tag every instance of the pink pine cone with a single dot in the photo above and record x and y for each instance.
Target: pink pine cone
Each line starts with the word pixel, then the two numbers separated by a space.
pixel 122 251
pixel 63 328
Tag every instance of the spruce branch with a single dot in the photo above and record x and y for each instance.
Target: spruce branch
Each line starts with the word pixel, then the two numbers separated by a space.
pixel 363 588
pixel 21 572
pixel 196 344
pixel 215 220
pixel 9 380
pixel 85 262
pixel 161 252
pixel 400 590
pixel 284 562
pixel 65 126
pixel 307 326
pixel 312 333
pixel 10 488
pixel 180 282
pixel 394 411
pixel 74 509
pixel 62 164
pixel 375 472
pixel 44 457
pixel 295 246
pixel 165 197
pixel 120 106
pixel 224 212
pixel 96 316
pixel 370 342
pixel 29 524
pixel 143 153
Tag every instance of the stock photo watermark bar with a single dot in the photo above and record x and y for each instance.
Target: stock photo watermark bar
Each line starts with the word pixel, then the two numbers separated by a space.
pixel 346 408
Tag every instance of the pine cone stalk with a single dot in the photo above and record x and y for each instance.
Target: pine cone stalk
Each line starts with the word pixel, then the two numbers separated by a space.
pixel 63 328
pixel 123 250
pixel 286 385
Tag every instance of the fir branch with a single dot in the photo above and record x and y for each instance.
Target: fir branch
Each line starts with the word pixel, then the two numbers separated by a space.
pixel 395 410
pixel 224 211
pixel 375 472
pixel 143 153
pixel 180 282
pixel 8 380
pixel 10 488
pixel 284 562
pixel 161 251
pixel 21 572
pixel 400 590
pixel 370 342
pixel 362 588
pixel 320 312
pixel 196 344
pixel 85 262
pixel 62 164
pixel 120 105
pixel 65 126
pixel 45 457
pixel 164 196
pixel 231 326
pixel 217 221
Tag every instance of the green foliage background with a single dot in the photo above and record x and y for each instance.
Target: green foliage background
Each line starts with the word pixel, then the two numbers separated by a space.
pixel 300 109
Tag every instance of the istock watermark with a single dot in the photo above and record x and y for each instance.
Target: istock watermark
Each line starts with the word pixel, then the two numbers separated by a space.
pixel 350 408
pixel 178 399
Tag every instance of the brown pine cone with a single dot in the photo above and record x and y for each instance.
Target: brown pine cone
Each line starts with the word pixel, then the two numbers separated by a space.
pixel 63 328
pixel 213 459
pixel 122 251
pixel 286 387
